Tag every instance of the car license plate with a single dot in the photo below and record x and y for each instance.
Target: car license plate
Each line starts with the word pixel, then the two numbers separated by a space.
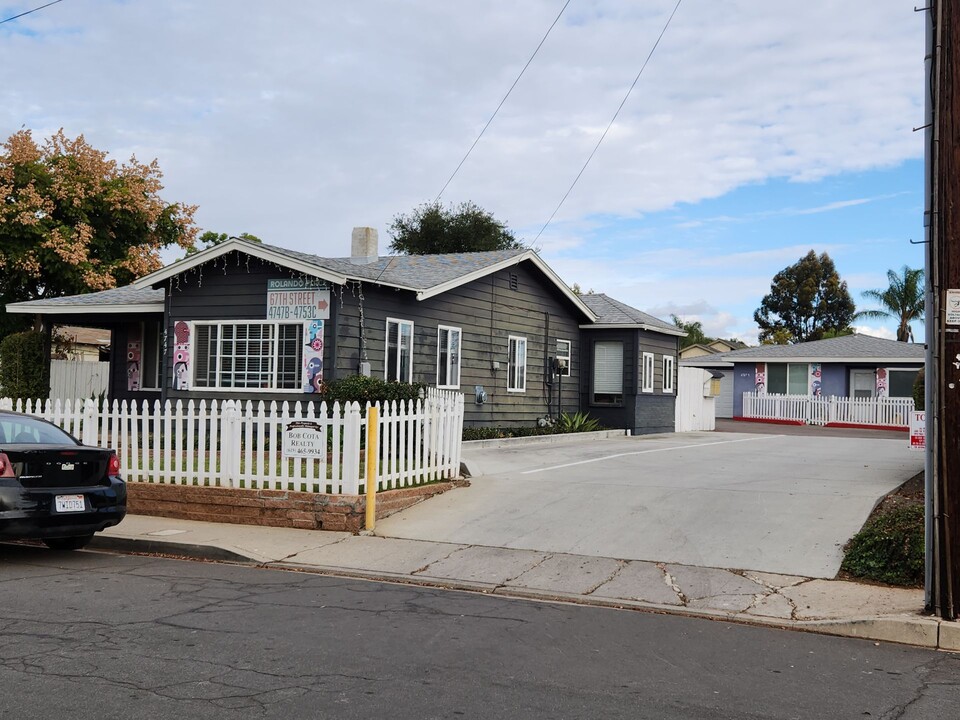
pixel 70 503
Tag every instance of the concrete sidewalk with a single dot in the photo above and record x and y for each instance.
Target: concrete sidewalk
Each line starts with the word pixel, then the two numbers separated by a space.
pixel 827 606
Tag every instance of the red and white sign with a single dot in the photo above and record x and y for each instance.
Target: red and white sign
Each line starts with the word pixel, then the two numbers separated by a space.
pixel 918 430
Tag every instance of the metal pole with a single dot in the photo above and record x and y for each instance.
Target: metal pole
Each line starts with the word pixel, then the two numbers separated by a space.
pixel 930 328
pixel 370 482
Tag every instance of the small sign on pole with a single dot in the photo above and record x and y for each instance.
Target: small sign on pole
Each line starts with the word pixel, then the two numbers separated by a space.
pixel 918 430
pixel 952 307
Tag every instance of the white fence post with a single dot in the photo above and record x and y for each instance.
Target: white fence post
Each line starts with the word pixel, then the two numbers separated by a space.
pixel 90 428
pixel 229 443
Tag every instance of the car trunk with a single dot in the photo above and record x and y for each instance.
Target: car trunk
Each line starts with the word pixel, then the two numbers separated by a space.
pixel 37 466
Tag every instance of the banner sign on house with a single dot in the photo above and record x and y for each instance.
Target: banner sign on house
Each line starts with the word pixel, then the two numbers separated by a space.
pixel 312 356
pixel 816 380
pixel 297 299
pixel 304 439
pixel 918 430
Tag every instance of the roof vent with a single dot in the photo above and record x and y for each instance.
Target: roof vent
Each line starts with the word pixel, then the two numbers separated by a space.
pixel 514 283
pixel 364 246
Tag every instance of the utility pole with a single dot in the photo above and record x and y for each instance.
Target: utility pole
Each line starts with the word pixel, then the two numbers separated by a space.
pixel 944 261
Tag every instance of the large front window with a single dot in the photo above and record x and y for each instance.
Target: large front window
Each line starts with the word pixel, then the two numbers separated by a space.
pixel 249 355
pixel 788 378
pixel 399 361
pixel 448 357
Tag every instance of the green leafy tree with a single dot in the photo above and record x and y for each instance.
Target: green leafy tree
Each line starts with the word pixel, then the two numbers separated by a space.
pixel 694 331
pixel 433 229
pixel 210 238
pixel 805 300
pixel 73 221
pixel 902 300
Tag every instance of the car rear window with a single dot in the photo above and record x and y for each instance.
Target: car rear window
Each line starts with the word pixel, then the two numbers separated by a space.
pixel 28 431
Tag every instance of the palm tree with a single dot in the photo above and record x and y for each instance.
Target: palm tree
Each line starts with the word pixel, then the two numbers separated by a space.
pixel 903 301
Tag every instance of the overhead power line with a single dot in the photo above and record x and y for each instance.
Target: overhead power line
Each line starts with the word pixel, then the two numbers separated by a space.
pixel 610 124
pixel 542 40
pixel 27 12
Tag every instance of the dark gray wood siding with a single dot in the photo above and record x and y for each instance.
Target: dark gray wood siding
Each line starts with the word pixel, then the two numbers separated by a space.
pixel 233 287
pixel 641 412
pixel 516 301
pixel 488 311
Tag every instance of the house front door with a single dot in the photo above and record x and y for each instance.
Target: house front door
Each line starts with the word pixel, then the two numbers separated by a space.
pixel 863 383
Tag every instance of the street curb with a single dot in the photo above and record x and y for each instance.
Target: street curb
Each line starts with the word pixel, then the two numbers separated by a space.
pixel 165 547
pixel 915 631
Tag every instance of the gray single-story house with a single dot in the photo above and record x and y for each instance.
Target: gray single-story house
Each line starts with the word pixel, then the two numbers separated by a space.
pixel 245 320
pixel 856 366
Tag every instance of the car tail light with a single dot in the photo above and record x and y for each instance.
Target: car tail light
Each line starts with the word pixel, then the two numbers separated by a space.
pixel 6 468
pixel 113 466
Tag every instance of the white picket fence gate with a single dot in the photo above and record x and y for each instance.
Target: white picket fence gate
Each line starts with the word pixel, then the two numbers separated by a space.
pixel 239 443
pixel 818 410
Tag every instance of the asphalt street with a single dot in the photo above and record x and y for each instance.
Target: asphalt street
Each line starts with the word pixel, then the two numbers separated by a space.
pixel 97 635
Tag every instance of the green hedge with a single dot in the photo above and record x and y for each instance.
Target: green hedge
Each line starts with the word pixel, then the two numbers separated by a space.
pixel 361 389
pixel 24 371
pixel 889 548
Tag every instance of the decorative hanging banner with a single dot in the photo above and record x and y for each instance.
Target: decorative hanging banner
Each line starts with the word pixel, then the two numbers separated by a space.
pixel 816 384
pixel 312 356
pixel 133 362
pixel 181 355
pixel 298 299
pixel 760 379
pixel 881 382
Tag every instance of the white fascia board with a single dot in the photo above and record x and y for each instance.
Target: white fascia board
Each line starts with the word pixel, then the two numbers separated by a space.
pixel 510 262
pixel 215 251
pixel 30 308
pixel 633 326
pixel 694 364
pixel 823 360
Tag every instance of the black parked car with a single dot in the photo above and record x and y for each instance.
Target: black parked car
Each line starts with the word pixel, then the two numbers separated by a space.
pixel 54 489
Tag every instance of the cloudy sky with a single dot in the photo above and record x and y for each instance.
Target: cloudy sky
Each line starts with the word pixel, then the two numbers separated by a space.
pixel 756 132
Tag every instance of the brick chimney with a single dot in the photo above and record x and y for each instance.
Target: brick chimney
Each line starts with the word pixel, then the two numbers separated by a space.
pixel 363 246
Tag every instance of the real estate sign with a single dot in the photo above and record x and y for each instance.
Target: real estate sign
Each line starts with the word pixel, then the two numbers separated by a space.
pixel 304 439
pixel 918 430
pixel 297 299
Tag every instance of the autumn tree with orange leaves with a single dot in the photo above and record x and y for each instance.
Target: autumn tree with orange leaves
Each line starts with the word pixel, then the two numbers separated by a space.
pixel 73 220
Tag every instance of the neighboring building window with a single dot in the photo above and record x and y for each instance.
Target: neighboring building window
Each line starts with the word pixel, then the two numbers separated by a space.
pixel 150 355
pixel 563 358
pixel 250 355
pixel 668 362
pixel 901 381
pixel 608 373
pixel 647 373
pixel 448 357
pixel 788 378
pixel 399 360
pixel 517 364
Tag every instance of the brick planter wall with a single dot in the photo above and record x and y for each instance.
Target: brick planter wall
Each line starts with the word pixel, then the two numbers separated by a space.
pixel 272 508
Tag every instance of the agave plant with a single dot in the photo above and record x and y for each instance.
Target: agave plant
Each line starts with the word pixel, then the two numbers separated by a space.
pixel 578 422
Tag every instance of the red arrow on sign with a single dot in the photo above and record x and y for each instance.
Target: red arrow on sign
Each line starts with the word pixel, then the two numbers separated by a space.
pixel 322 304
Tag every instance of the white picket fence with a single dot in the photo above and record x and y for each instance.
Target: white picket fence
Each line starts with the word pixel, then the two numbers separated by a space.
pixel 817 410
pixel 238 443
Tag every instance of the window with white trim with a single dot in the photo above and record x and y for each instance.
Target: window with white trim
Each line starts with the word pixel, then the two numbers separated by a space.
pixel 150 355
pixel 448 357
pixel 249 355
pixel 646 373
pixel 399 352
pixel 517 364
pixel 563 358
pixel 668 372
pixel 788 378
pixel 608 373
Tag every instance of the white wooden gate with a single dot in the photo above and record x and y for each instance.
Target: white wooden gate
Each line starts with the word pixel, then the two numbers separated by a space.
pixel 694 411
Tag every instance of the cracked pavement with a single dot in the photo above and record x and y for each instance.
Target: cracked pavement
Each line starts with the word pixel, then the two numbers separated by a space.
pixel 93 634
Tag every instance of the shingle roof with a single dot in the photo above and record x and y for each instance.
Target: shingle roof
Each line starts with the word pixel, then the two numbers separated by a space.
pixel 614 312
pixel 846 347
pixel 127 295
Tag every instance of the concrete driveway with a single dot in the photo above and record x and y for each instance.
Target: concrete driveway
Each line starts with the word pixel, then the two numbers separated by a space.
pixel 773 503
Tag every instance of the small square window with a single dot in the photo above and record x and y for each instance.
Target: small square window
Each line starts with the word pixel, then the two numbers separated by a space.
pixel 563 358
